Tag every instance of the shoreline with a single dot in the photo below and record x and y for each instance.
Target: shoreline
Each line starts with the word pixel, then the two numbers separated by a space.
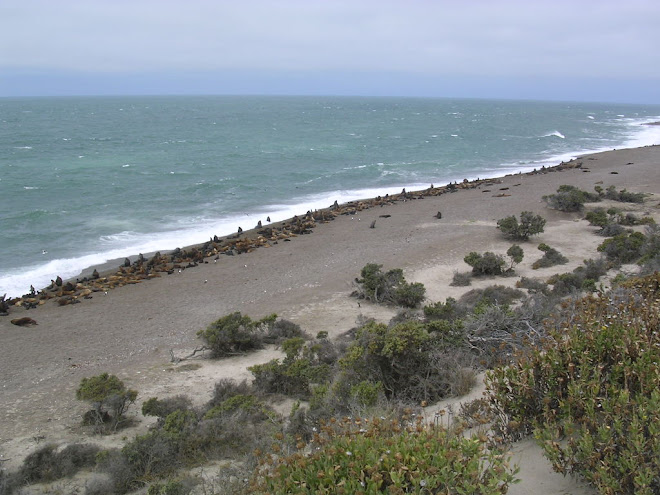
pixel 106 266
pixel 113 268
pixel 131 330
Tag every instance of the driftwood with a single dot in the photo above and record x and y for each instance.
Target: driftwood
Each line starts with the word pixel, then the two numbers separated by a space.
pixel 174 359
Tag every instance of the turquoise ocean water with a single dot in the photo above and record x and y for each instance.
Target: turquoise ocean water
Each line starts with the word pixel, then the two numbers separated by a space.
pixel 86 180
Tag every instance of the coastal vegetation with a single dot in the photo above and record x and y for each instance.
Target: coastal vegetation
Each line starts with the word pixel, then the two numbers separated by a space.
pixel 522 230
pixel 388 287
pixel 575 366
pixel 109 398
pixel 551 257
pixel 570 198
pixel 589 394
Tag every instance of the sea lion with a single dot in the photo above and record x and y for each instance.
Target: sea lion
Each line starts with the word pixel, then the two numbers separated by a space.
pixel 24 322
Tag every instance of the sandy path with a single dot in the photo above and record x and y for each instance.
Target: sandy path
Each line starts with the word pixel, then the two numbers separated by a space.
pixel 130 330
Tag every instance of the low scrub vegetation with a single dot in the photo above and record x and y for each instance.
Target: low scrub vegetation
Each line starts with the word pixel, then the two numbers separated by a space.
pixel 388 287
pixel 570 198
pixel 623 248
pixel 583 278
pixel 589 394
pixel 485 264
pixel 373 456
pixel 522 230
pixel 551 257
pixel 109 398
pixel 235 334
pixel 50 463
pixel 624 196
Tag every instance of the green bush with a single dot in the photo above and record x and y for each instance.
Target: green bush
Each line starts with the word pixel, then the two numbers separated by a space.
pixel 485 264
pixel 449 310
pixel 295 373
pixel 570 198
pixel 236 334
pixel 461 279
pixel 623 248
pixel 515 254
pixel 281 330
pixel 611 230
pixel 529 225
pixel 598 217
pixel 623 195
pixel 412 360
pixel 532 285
pixel 589 394
pixel 163 408
pixel 49 464
pixel 373 456
pixel 551 257
pixel 109 398
pixel 410 295
pixel 171 487
pixel 389 287
pixel 493 294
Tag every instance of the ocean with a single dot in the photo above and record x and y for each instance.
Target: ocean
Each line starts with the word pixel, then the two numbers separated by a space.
pixel 84 180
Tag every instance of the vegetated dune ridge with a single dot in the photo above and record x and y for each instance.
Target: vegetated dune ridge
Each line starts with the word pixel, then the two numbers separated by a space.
pixel 131 330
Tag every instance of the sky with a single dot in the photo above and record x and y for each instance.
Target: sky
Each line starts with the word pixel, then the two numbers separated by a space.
pixel 577 50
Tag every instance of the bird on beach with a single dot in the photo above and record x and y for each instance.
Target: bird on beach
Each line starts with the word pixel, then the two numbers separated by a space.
pixel 43 251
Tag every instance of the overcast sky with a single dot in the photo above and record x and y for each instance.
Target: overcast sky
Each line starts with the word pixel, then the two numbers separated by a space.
pixel 590 50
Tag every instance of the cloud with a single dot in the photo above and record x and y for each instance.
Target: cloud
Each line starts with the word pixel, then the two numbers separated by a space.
pixel 480 38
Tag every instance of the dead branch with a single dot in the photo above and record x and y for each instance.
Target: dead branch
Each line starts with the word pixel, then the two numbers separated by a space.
pixel 174 359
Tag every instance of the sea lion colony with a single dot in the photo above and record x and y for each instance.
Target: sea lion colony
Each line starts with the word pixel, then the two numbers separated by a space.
pixel 141 269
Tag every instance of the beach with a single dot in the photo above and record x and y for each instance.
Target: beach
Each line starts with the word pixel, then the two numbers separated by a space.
pixel 132 331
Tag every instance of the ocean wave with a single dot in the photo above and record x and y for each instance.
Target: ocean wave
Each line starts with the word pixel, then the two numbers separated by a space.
pixel 555 133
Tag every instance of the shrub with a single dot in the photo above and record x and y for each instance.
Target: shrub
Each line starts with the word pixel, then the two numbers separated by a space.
pixel 295 373
pixel 584 277
pixel 623 248
pixel 623 195
pixel 589 394
pixel 598 217
pixel 163 408
pixel 409 359
pixel 375 456
pixel 494 294
pixel 49 464
pixel 227 388
pixel 529 225
pixel 109 398
pixel 461 279
pixel 532 285
pixel 410 295
pixel 281 330
pixel 390 287
pixel 551 257
pixel 611 230
pixel 485 264
pixel 570 198
pixel 449 310
pixel 235 334
pixel 515 254
pixel 171 487
pixel 650 252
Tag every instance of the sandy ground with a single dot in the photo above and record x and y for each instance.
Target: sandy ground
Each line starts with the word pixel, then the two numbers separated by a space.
pixel 131 330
